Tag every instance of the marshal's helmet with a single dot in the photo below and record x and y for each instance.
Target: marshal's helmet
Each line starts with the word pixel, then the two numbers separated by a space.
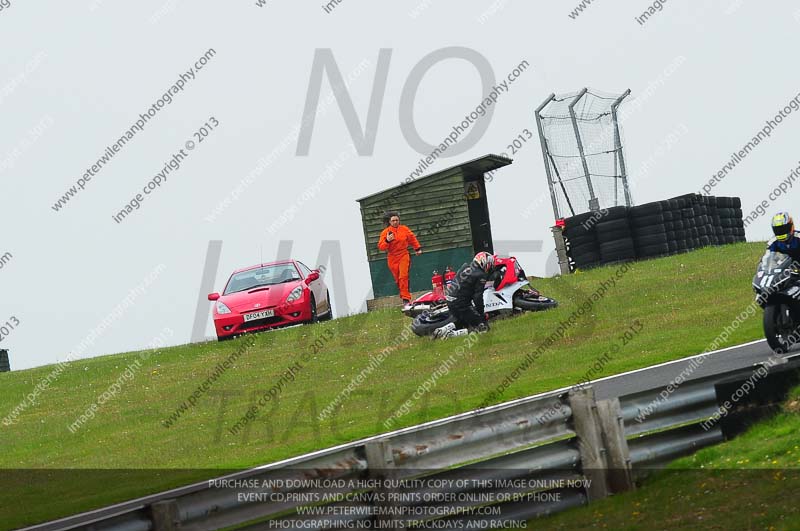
pixel 485 261
pixel 783 226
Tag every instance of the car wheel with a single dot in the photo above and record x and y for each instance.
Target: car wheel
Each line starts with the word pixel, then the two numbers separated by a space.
pixel 314 316
pixel 329 314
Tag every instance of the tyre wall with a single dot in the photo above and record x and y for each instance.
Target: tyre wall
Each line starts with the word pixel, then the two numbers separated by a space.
pixel 654 229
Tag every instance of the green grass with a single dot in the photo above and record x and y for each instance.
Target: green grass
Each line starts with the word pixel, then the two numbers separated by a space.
pixel 750 482
pixel 683 302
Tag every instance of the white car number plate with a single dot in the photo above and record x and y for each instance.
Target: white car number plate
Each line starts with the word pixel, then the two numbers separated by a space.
pixel 258 315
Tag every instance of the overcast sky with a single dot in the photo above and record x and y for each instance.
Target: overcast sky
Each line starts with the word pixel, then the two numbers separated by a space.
pixel 75 76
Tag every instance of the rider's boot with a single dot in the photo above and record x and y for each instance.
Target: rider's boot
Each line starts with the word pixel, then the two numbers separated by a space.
pixel 442 331
pixel 456 333
pixel 481 328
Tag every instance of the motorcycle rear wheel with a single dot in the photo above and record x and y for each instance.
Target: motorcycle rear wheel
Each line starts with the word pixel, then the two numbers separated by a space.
pixel 533 302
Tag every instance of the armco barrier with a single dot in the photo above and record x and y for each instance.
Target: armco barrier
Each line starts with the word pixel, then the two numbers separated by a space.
pixel 571 447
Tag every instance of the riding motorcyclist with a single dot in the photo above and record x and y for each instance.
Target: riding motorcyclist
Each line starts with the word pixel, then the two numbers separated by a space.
pixel 786 240
pixel 465 297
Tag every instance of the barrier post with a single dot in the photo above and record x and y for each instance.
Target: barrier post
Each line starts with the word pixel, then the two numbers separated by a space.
pixel 590 441
pixel 380 465
pixel 165 515
pixel 619 462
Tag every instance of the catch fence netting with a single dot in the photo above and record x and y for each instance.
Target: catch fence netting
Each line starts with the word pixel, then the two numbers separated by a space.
pixel 575 180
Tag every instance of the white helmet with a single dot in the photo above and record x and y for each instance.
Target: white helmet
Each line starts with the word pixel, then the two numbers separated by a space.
pixel 485 261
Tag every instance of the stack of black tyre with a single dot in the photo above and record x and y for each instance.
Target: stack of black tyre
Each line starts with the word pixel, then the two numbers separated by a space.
pixel 715 228
pixel 703 221
pixel 730 219
pixel 653 229
pixel 648 223
pixel 690 222
pixel 692 218
pixel 581 239
pixel 614 236
pixel 675 225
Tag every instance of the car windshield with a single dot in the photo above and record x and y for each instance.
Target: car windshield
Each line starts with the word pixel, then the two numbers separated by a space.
pixel 262 276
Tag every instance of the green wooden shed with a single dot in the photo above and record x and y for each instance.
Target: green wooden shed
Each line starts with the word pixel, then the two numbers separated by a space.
pixel 448 212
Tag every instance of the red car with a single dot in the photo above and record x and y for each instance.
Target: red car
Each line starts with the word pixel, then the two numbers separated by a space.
pixel 268 296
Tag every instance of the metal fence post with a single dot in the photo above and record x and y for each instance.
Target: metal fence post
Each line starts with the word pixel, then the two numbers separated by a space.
pixel 561 250
pixel 165 515
pixel 618 148
pixel 609 414
pixel 594 204
pixel 590 441
pixel 538 116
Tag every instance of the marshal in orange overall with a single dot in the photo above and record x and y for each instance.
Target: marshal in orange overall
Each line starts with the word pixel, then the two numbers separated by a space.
pixel 395 240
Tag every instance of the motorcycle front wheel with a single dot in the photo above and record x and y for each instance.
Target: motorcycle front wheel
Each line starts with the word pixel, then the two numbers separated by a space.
pixel 780 328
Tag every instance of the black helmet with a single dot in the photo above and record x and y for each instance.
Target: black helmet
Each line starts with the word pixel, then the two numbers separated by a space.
pixel 783 226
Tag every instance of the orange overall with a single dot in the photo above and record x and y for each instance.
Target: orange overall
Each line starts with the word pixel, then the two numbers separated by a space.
pixel 398 258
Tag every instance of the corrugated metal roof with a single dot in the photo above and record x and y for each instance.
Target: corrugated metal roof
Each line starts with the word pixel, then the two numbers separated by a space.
pixel 480 165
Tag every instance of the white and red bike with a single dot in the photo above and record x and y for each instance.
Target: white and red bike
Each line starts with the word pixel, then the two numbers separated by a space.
pixel 511 295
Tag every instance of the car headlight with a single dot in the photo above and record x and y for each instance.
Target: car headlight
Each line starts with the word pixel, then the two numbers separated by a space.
pixel 221 308
pixel 295 294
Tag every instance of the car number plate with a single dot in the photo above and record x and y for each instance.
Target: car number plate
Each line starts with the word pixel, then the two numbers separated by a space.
pixel 258 315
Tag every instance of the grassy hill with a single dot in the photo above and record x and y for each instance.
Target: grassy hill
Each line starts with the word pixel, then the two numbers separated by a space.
pixel 682 303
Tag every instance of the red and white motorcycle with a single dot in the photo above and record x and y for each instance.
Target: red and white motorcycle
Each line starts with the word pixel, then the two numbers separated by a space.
pixel 512 294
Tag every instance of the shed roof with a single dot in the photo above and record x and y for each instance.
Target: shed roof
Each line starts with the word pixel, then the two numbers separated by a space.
pixel 477 166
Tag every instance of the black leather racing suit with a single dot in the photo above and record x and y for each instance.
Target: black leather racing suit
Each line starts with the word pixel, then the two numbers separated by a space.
pixel 465 296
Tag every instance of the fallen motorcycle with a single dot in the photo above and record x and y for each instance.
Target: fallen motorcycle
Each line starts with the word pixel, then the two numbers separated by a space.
pixel 431 300
pixel 777 287
pixel 510 295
